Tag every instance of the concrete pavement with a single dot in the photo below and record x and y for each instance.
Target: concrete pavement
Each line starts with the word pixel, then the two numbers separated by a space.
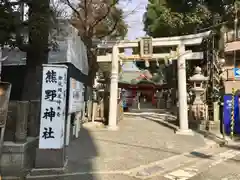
pixel 143 148
pixel 227 170
pixel 138 141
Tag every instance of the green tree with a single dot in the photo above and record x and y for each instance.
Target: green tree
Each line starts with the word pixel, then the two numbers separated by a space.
pixel 7 22
pixel 37 48
pixel 170 18
pixel 174 18
pixel 14 30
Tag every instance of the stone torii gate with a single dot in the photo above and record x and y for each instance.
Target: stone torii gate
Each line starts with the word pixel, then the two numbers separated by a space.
pixel 180 42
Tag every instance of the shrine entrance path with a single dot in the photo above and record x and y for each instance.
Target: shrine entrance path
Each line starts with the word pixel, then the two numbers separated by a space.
pixel 139 141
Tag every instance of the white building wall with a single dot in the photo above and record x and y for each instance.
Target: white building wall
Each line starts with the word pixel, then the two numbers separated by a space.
pixel 76 51
pixel 71 50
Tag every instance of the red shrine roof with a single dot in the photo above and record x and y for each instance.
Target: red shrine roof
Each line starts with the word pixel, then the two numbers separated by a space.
pixel 138 80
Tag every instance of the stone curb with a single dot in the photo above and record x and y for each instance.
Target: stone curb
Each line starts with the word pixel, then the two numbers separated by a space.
pixel 220 140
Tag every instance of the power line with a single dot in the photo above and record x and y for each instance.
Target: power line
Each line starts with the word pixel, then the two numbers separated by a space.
pixel 213 26
pixel 216 25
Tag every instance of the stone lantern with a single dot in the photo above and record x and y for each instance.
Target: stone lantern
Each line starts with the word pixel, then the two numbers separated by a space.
pixel 198 108
pixel 98 97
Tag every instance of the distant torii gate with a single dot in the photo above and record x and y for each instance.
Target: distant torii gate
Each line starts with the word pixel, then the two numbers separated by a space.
pixel 180 42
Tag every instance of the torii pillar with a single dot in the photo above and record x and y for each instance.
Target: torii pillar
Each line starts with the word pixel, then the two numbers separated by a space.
pixel 182 93
pixel 112 120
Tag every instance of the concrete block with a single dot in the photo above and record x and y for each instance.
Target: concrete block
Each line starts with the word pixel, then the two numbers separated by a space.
pixel 18 158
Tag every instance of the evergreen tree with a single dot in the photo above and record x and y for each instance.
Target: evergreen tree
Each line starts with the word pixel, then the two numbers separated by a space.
pixel 13 30
pixel 171 18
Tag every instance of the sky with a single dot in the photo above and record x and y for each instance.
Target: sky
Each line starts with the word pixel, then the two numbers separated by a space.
pixel 134 20
pixel 135 24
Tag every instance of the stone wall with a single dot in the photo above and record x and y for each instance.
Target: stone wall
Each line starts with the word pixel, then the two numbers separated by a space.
pixel 18 158
pixel 21 138
pixel 22 120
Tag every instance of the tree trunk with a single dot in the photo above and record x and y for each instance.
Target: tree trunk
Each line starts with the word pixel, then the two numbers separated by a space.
pixel 92 57
pixel 37 54
pixel 93 67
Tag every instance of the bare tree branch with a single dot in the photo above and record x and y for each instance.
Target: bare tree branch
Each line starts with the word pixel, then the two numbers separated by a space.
pixel 58 9
pixel 132 11
pixel 67 2
pixel 116 21
pixel 100 19
pixel 85 15
pixel 111 30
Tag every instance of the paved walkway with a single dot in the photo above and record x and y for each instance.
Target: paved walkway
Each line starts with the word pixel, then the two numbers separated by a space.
pixel 131 151
pixel 228 170
pixel 138 141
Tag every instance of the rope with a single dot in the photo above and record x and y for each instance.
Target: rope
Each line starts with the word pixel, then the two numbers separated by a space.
pixel 232 113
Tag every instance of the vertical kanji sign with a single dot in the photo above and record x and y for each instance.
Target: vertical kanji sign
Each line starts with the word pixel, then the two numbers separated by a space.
pixel 53 103
pixel 76 96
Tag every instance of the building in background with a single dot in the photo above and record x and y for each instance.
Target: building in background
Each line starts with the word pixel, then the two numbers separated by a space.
pixel 232 59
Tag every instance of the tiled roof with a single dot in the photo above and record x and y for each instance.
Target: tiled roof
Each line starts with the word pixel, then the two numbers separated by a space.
pixel 128 76
pixel 133 77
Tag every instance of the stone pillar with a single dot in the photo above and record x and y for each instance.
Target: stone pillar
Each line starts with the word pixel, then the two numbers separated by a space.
pixel 94 111
pixel 158 96
pixel 169 100
pixel 89 102
pixel 138 100
pixel 78 120
pixel 216 115
pixel 112 122
pixel 182 93
pixel 94 105
pixel 34 118
pixel 101 104
pixel 22 121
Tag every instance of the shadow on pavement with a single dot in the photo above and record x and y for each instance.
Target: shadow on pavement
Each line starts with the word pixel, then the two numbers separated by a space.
pixel 234 160
pixel 169 124
pixel 163 118
pixel 80 153
pixel 144 147
pixel 168 120
pixel 172 122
